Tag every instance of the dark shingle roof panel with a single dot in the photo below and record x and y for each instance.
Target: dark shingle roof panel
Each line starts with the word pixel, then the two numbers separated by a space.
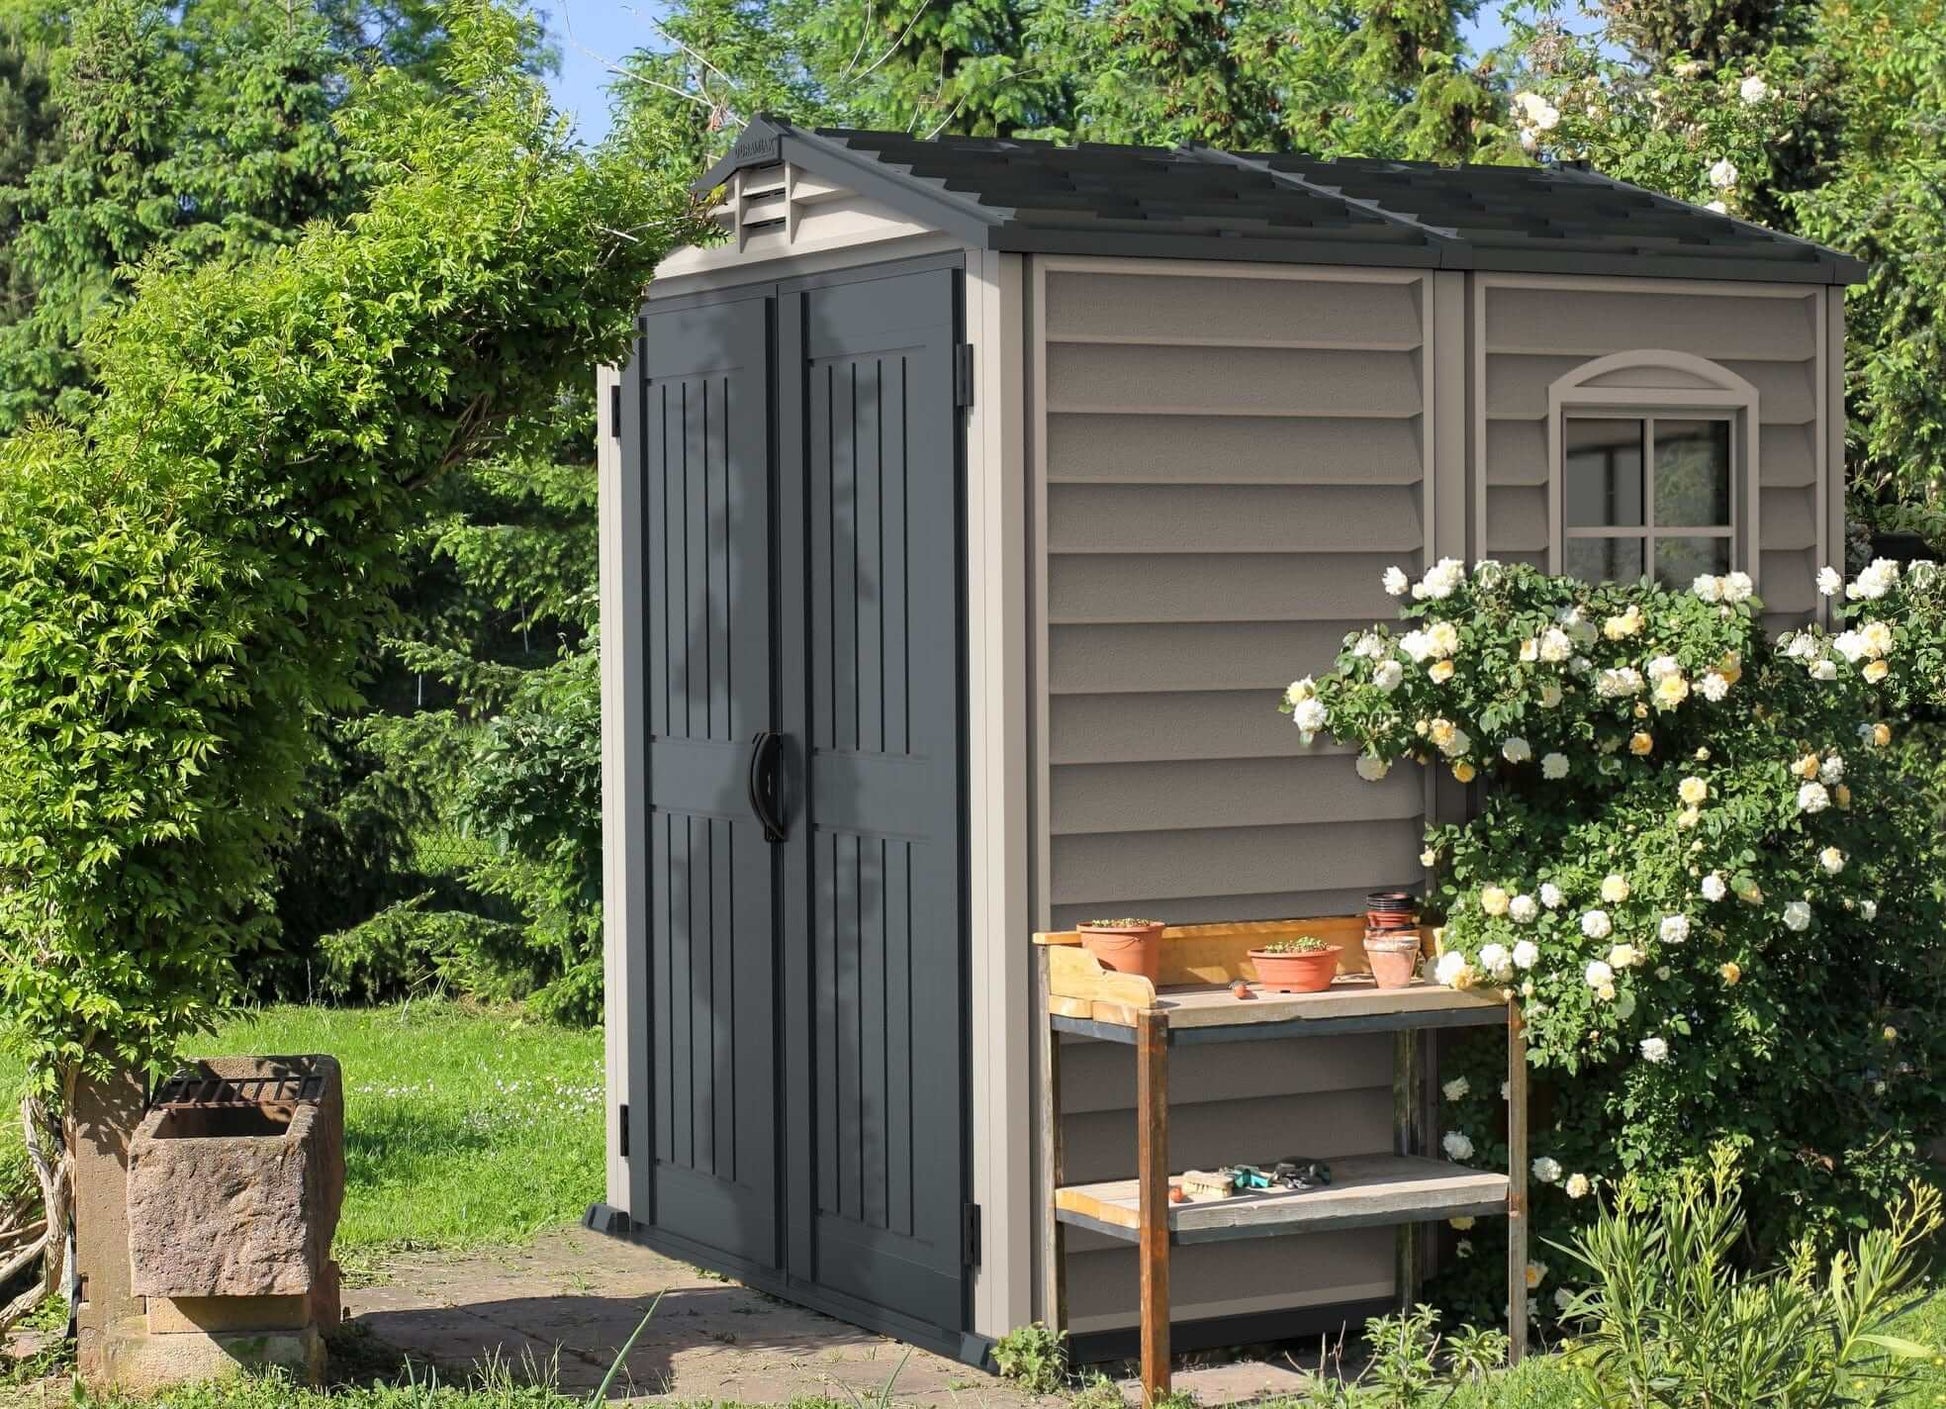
pixel 1195 202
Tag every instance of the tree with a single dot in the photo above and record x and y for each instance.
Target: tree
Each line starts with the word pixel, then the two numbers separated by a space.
pixel 187 586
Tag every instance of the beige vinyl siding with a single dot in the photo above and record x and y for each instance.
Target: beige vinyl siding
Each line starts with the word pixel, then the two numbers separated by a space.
pixel 1536 330
pixel 1227 465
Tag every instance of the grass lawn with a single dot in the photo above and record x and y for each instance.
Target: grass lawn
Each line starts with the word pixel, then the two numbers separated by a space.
pixel 464 1127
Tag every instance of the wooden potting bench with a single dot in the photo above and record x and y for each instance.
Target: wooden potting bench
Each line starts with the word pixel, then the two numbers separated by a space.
pixel 1192 1004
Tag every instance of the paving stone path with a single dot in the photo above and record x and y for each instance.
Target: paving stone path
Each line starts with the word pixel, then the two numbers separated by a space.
pixel 563 1306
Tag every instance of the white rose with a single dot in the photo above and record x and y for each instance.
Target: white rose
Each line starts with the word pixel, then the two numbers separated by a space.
pixel 1456 1146
pixel 1388 675
pixel 1831 772
pixel 1554 766
pixel 1551 895
pixel 1516 750
pixel 1522 909
pixel 1416 644
pixel 1714 686
pixel 1444 637
pixel 1547 1170
pixel 1714 887
pixel 1824 670
pixel 1718 207
pixel 1655 1049
pixel 1710 589
pixel 1371 769
pixel 1869 909
pixel 1397 584
pixel 1595 924
pixel 1598 974
pixel 1797 916
pixel 1456 1089
pixel 1369 647
pixel 1300 690
pixel 1830 581
pixel 1577 1186
pixel 1753 89
pixel 1526 954
pixel 1614 889
pixel 1441 580
pixel 1723 174
pixel 1497 963
pixel 1451 969
pixel 1309 715
pixel 1674 929
pixel 1555 645
pixel 1624 956
pixel 1832 859
pixel 1875 581
pixel 1812 797
pixel 1851 645
pixel 1738 587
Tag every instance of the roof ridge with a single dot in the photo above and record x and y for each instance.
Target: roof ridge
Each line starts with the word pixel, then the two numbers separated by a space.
pixel 1445 237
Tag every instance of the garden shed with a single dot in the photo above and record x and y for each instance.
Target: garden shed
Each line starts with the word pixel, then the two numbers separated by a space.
pixel 965 509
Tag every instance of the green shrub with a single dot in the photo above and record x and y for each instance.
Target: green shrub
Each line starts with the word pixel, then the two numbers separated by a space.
pixel 1412 1365
pixel 1696 860
pixel 1670 1320
pixel 1035 1357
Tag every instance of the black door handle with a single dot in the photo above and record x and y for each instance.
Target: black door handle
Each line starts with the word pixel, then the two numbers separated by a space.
pixel 765 750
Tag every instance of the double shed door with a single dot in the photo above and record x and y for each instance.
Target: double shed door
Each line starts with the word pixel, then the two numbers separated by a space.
pixel 804 1037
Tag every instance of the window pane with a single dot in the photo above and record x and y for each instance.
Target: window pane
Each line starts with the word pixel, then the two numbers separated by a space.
pixel 1692 474
pixel 1680 561
pixel 1605 559
pixel 1603 473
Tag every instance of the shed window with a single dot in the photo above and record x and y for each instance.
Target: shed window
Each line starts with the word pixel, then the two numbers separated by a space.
pixel 1648 496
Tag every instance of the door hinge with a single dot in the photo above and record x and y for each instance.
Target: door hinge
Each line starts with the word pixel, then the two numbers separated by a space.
pixel 969 1234
pixel 963 375
pixel 615 410
pixel 621 1141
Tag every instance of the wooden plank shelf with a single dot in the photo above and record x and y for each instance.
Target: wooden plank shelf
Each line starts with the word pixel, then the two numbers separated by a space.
pixel 1191 1002
pixel 1366 1191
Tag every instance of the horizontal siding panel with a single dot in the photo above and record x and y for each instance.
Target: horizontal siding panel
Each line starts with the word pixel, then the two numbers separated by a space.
pixel 1231 381
pixel 1141 449
pixel 1098 1076
pixel 1149 797
pixel 1150 659
pixel 1220 1279
pixel 1106 518
pixel 1274 905
pixel 1788 583
pixel 1517 520
pixel 1181 587
pixel 1517 452
pixel 1581 323
pixel 1241 311
pixel 1787 518
pixel 1326 1125
pixel 1517 386
pixel 1787 456
pixel 1133 728
pixel 1128 868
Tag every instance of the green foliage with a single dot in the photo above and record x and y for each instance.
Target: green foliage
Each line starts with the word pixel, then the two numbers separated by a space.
pixel 1034 1356
pixel 1411 1365
pixel 1670 1319
pixel 1697 862
pixel 187 589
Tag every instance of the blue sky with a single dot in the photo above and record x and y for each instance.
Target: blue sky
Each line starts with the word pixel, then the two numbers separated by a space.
pixel 593 34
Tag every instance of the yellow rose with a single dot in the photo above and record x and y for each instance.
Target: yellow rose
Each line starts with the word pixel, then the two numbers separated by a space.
pixel 1463 1222
pixel 1640 744
pixel 1614 889
pixel 1891 1034
pixel 1731 667
pixel 1441 731
pixel 1494 900
pixel 1731 972
pixel 1465 771
pixel 1842 796
pixel 1881 734
pixel 1694 791
pixel 1878 638
pixel 1441 671
pixel 1670 691
pixel 1641 711
pixel 1876 671
pixel 1807 766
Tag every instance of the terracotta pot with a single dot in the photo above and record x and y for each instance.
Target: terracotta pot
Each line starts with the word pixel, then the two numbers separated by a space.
pixel 1391 910
pixel 1127 949
pixel 1394 956
pixel 1296 973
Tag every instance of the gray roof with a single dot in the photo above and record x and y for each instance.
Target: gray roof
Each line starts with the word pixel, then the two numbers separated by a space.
pixel 1199 203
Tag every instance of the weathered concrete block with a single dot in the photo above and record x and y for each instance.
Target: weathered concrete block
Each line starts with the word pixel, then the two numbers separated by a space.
pixel 138 1362
pixel 238 1201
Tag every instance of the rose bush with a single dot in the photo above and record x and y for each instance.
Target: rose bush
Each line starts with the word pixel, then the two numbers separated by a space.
pixel 1698 858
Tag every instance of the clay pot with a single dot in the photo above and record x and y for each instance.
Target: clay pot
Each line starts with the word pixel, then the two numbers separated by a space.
pixel 1391 910
pixel 1127 949
pixel 1394 956
pixel 1296 973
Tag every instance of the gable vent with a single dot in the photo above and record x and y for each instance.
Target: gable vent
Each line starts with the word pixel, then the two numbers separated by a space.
pixel 767 200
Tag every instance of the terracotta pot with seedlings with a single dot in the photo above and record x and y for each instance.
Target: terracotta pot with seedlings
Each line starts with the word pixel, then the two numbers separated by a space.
pixel 1126 946
pixel 1302 965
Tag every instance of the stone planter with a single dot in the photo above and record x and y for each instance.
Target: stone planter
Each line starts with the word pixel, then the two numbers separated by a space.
pixel 235 1182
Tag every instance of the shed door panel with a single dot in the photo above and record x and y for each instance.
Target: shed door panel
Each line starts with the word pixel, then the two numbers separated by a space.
pixel 876 471
pixel 712 923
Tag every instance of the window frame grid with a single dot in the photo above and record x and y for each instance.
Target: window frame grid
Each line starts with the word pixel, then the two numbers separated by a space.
pixel 1648 533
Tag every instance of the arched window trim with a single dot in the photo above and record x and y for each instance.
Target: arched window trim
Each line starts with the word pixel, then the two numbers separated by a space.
pixel 1726 394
